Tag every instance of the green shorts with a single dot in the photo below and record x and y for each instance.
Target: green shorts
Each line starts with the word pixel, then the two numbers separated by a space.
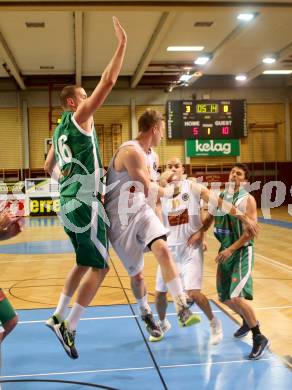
pixel 86 229
pixel 234 276
pixel 6 310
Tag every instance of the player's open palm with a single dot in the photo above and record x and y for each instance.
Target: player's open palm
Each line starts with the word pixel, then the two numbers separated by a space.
pixel 6 219
pixel 120 32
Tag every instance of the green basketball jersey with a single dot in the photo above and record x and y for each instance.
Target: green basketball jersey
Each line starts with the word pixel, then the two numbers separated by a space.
pixel 228 229
pixel 77 155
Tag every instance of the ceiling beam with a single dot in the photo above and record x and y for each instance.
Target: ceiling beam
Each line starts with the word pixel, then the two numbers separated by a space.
pixel 223 46
pixel 129 5
pixel 78 35
pixel 157 36
pixel 281 54
pixel 10 64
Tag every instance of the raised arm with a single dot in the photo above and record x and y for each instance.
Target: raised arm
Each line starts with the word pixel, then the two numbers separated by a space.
pixel 108 79
pixel 251 225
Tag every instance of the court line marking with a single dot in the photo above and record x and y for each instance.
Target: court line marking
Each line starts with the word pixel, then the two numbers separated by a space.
pixel 262 258
pixel 137 316
pixel 36 254
pixel 221 362
pixel 273 262
pixel 138 368
pixel 268 260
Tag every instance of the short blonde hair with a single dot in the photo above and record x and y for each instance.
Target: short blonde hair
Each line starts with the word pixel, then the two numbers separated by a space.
pixel 67 92
pixel 148 119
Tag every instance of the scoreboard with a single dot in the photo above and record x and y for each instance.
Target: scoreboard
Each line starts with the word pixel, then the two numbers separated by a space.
pixel 206 119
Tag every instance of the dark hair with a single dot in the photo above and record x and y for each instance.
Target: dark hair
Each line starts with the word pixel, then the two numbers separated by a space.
pixel 245 169
pixel 67 92
pixel 149 119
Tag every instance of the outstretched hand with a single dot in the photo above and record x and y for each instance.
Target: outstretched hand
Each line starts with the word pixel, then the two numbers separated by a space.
pixel 6 219
pixel 166 177
pixel 10 225
pixel 120 32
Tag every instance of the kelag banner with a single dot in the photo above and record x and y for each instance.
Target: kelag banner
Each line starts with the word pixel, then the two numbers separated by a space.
pixel 213 147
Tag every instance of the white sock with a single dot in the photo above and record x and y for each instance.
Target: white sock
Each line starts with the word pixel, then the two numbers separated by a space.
pixel 175 287
pixel 62 307
pixel 143 305
pixel 180 302
pixel 163 322
pixel 176 290
pixel 74 316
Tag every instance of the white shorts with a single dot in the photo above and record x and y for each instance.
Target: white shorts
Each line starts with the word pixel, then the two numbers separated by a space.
pixel 133 239
pixel 189 261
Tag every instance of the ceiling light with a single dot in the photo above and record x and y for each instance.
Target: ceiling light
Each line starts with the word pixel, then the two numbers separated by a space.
pixel 198 74
pixel 240 77
pixel 185 77
pixel 185 48
pixel 269 60
pixel 278 71
pixel 202 60
pixel 245 17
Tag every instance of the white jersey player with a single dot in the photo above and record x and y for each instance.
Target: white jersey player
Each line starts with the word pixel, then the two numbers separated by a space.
pixel 182 216
pixel 134 226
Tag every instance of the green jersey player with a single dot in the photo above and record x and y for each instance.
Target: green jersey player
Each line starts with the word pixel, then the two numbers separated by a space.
pixel 236 257
pixel 10 226
pixel 74 159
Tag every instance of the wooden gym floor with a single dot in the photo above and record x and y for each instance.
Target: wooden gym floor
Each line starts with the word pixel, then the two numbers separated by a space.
pixel 32 275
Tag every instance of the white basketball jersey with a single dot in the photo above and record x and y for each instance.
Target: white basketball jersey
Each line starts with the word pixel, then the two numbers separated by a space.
pixel 181 214
pixel 122 202
pixel 151 162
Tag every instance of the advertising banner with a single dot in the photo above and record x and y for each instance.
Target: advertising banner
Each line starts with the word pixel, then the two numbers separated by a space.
pixel 213 147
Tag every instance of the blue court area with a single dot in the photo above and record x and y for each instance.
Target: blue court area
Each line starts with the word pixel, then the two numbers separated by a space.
pixel 115 354
pixel 65 246
pixel 275 222
pixel 38 247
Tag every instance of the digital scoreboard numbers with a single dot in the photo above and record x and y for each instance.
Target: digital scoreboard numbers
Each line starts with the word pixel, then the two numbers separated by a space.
pixel 206 119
